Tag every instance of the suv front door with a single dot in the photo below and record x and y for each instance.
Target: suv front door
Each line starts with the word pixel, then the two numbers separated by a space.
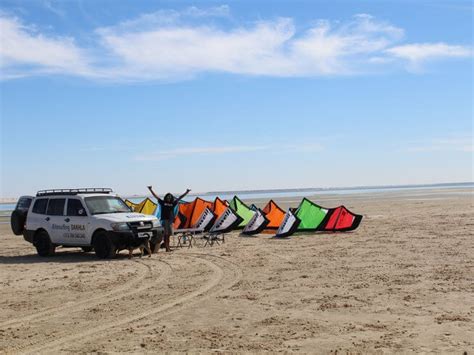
pixel 77 222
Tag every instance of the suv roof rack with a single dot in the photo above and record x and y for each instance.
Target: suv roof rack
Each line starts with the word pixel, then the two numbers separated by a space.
pixel 70 192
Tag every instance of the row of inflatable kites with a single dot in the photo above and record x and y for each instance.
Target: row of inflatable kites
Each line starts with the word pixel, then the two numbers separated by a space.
pixel 222 216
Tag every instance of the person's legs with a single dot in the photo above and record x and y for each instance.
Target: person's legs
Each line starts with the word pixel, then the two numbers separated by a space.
pixel 167 242
pixel 167 234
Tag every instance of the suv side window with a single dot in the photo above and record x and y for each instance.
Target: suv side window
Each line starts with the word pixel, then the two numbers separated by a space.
pixel 56 206
pixel 40 206
pixel 75 208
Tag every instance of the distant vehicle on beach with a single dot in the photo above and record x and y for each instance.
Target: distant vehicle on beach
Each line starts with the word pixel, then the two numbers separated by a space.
pixel 90 218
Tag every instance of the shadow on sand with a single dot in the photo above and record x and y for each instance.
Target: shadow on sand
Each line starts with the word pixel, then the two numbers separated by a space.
pixel 61 256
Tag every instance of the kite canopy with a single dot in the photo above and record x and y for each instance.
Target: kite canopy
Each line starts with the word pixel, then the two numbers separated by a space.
pixel 311 215
pixel 219 207
pixel 189 213
pixel 130 204
pixel 147 206
pixel 274 214
pixel 340 219
pixel 205 221
pixel 200 206
pixel 257 224
pixel 242 210
pixel 228 221
pixel 288 226
pixel 180 218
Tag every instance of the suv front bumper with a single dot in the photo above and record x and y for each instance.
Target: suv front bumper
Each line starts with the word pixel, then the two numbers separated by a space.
pixel 123 239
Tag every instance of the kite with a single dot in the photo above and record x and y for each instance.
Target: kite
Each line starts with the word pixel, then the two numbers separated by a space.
pixel 311 215
pixel 147 206
pixel 190 212
pixel 219 207
pixel 242 210
pixel 288 226
pixel 130 204
pixel 274 214
pixel 257 223
pixel 340 219
pixel 205 221
pixel 228 221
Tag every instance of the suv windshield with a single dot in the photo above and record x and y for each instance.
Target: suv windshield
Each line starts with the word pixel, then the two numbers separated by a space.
pixel 106 204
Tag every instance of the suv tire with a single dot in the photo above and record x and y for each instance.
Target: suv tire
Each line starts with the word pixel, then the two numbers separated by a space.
pixel 17 221
pixel 103 246
pixel 43 244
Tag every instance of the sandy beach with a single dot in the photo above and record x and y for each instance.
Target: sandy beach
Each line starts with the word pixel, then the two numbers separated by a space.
pixel 402 282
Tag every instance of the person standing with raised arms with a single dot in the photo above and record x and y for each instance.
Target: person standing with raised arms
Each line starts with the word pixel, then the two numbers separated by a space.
pixel 167 206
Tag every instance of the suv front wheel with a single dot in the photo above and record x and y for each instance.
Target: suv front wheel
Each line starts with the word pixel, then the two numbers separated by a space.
pixel 43 244
pixel 103 246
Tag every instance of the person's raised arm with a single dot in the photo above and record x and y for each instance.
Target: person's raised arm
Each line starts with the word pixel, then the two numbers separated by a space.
pixel 183 195
pixel 153 193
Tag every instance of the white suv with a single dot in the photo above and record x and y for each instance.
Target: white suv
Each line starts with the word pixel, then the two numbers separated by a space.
pixel 91 218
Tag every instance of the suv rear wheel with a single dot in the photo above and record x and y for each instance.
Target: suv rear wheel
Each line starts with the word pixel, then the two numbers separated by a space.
pixel 43 244
pixel 103 246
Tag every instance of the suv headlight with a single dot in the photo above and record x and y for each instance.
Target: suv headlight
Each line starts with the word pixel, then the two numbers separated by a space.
pixel 122 226
pixel 156 224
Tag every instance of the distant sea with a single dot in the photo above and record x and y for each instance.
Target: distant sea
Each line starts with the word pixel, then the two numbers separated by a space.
pixel 5 209
pixel 267 194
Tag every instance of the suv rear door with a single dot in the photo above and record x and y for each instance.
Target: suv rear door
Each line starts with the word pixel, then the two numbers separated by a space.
pixel 19 214
pixel 37 215
pixel 24 203
pixel 55 218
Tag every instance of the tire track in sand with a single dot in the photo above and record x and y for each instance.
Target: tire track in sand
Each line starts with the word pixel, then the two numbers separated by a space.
pixel 220 281
pixel 126 289
pixel 103 299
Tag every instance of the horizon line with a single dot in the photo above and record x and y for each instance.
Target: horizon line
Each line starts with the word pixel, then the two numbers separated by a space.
pixel 366 187
pixel 296 189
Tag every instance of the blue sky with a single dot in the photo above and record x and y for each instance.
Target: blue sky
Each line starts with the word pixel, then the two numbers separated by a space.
pixel 234 95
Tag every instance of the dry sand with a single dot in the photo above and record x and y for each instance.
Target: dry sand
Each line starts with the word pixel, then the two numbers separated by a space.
pixel 403 282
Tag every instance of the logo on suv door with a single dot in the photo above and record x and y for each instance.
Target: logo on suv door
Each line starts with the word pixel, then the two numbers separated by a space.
pixel 80 227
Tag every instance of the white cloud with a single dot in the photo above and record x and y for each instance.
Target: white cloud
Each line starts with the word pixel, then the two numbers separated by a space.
pixel 175 45
pixel 160 18
pixel 50 6
pixel 187 152
pixel 192 151
pixel 462 143
pixel 24 51
pixel 419 52
pixel 185 50
pixel 216 11
pixel 267 48
pixel 304 148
